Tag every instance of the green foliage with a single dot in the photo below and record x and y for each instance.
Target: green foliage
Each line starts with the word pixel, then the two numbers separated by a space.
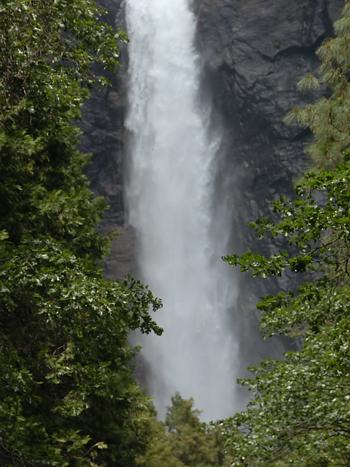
pixel 67 393
pixel 193 443
pixel 300 411
pixel 45 75
pixel 329 118
pixel 160 451
pixel 183 440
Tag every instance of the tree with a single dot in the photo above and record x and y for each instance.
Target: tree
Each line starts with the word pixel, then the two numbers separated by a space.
pixel 67 393
pixel 193 443
pixel 159 452
pixel 183 440
pixel 45 78
pixel 300 410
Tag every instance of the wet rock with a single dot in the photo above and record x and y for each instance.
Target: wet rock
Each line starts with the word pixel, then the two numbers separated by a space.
pixel 254 52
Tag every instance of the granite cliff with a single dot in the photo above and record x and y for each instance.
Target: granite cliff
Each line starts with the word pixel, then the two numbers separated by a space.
pixel 254 52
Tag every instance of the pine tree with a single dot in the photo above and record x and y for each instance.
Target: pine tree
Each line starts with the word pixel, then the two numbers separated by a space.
pixel 183 440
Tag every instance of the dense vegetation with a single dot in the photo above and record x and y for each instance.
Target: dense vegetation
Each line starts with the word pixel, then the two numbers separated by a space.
pixel 67 394
pixel 183 440
pixel 300 411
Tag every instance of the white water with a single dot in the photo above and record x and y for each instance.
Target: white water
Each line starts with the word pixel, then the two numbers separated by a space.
pixel 171 200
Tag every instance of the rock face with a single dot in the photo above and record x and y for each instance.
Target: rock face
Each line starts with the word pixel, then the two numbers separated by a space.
pixel 104 137
pixel 254 52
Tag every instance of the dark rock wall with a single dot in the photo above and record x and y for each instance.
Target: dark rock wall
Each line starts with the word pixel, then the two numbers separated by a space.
pixel 254 52
pixel 105 137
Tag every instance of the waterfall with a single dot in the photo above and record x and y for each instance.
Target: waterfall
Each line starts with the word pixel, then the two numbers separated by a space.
pixel 181 227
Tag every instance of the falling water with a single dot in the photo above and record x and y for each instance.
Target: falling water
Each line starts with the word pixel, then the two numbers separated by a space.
pixel 172 203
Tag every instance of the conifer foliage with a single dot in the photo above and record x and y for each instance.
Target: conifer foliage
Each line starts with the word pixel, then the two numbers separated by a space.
pixel 183 440
pixel 67 394
pixel 300 411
